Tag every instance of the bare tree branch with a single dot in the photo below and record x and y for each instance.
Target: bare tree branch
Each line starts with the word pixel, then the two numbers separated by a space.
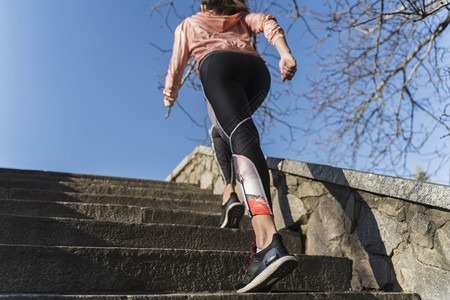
pixel 382 85
pixel 401 54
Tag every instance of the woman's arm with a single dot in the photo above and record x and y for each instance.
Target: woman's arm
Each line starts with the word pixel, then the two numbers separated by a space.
pixel 178 62
pixel 260 22
pixel 288 65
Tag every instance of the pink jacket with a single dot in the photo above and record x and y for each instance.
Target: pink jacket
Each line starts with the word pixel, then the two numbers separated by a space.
pixel 205 32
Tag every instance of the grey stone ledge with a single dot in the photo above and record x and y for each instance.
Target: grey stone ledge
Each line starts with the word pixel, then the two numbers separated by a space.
pixel 430 194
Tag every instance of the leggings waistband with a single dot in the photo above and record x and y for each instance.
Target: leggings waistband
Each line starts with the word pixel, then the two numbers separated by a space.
pixel 230 51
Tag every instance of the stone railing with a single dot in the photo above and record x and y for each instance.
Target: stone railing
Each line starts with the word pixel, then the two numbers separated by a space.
pixel 396 231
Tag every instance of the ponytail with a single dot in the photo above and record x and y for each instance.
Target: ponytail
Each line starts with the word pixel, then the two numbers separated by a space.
pixel 226 7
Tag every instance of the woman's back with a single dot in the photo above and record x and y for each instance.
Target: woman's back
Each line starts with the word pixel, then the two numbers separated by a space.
pixel 206 32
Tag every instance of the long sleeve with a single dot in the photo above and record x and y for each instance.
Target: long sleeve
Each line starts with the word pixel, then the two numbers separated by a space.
pixel 178 62
pixel 260 22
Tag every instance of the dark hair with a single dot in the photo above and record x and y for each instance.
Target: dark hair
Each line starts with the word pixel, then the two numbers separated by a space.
pixel 226 7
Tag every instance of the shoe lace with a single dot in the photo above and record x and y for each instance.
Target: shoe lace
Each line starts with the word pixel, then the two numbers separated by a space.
pixel 251 256
pixel 253 248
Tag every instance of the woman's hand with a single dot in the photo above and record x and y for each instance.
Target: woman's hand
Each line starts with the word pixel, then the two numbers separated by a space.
pixel 288 67
pixel 168 103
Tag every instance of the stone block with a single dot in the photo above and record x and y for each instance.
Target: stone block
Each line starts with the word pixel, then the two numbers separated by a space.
pixel 429 282
pixel 193 179
pixel 419 224
pixel 431 257
pixel 402 228
pixel 289 211
pixel 310 189
pixel 442 244
pixel 201 163
pixel 188 169
pixel 420 229
pixel 421 240
pixel 181 178
pixel 378 234
pixel 311 203
pixel 393 208
pixel 291 180
pixel 365 278
pixel 209 163
pixel 439 217
pixel 326 227
pixel 353 209
pixel 206 180
pixel 218 186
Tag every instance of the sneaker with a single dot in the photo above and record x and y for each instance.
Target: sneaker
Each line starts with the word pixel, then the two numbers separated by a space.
pixel 267 267
pixel 232 212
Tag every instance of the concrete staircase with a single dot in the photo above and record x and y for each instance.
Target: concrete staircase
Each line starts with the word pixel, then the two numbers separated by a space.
pixel 91 237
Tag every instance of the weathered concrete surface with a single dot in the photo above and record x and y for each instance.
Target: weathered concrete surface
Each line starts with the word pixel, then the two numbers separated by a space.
pixel 60 179
pixel 101 212
pixel 208 203
pixel 98 186
pixel 33 269
pixel 69 232
pixel 233 296
pixel 48 195
pixel 113 252
pixel 115 212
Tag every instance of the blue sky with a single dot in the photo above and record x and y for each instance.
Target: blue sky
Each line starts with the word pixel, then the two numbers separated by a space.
pixel 78 91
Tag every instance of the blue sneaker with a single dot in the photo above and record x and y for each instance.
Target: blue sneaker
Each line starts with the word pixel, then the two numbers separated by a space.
pixel 267 267
pixel 232 212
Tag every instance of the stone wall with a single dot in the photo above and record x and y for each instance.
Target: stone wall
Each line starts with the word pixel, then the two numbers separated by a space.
pixel 396 231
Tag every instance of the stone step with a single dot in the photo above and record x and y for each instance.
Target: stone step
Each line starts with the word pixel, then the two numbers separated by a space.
pixel 210 204
pixel 56 177
pixel 28 193
pixel 231 296
pixel 72 232
pixel 69 270
pixel 77 210
pixel 115 187
pixel 113 212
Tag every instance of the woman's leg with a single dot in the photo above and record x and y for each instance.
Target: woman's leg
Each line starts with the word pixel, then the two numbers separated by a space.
pixel 235 85
pixel 253 176
pixel 231 209
pixel 222 156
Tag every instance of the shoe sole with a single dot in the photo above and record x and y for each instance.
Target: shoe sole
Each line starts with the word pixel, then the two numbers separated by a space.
pixel 276 271
pixel 233 216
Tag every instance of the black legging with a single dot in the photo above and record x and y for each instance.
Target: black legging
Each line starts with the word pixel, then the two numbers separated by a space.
pixel 235 85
